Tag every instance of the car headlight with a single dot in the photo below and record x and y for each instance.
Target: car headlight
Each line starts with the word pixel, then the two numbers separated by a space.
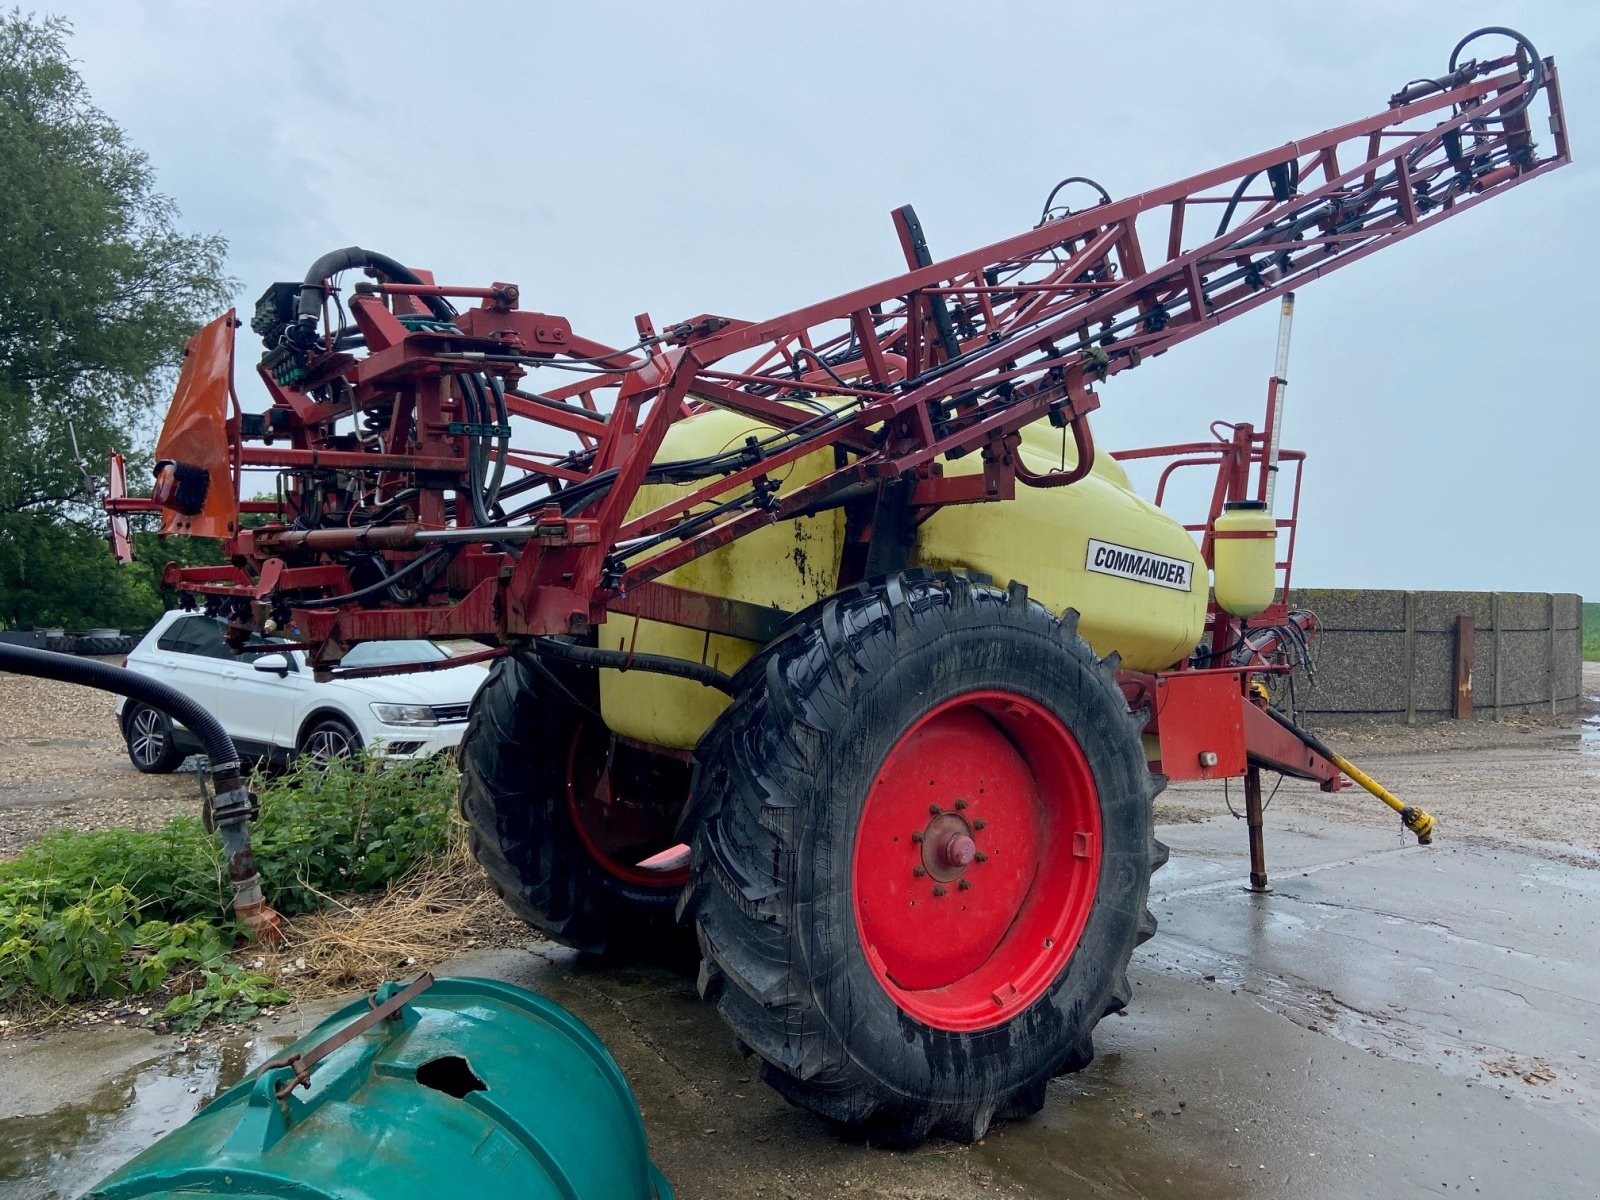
pixel 404 714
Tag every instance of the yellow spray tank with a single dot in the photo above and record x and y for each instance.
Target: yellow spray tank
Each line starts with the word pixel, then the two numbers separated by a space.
pixel 785 566
pixel 1134 573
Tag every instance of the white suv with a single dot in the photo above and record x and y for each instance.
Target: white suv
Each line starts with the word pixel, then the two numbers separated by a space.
pixel 273 708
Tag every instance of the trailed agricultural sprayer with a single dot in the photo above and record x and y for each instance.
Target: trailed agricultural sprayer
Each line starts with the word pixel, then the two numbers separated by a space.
pixel 835 634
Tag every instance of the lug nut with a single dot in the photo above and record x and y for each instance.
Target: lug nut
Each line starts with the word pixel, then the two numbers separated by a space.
pixel 938 889
pixel 965 885
pixel 916 835
pixel 980 824
pixel 961 804
pixel 980 856
pixel 935 811
pixel 919 872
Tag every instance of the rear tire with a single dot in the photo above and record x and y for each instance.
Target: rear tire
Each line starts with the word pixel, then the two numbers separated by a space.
pixel 152 746
pixel 559 813
pixel 926 979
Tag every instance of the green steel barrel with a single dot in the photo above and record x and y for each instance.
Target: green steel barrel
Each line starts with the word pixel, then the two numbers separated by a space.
pixel 469 1088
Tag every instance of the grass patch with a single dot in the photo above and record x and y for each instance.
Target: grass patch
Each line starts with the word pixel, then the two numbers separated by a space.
pixel 1591 632
pixel 115 913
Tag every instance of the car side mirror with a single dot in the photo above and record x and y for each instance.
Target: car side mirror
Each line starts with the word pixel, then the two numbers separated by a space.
pixel 278 664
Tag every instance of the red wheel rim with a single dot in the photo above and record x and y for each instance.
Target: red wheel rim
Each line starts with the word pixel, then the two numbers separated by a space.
pixel 976 860
pixel 617 825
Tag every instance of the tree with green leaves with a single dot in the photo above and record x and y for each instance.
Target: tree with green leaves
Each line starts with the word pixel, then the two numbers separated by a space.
pixel 99 288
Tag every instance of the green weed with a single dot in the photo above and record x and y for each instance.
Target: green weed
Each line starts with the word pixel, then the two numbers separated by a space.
pixel 118 912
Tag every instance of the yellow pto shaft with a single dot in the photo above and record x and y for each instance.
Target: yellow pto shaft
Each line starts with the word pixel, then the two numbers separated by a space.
pixel 1417 820
pixel 1413 818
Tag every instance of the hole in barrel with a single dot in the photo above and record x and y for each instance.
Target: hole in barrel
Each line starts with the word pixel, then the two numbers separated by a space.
pixel 452 1075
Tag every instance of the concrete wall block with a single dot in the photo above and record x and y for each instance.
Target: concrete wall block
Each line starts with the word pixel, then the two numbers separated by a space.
pixel 1527 673
pixel 1524 610
pixel 1569 662
pixel 1439 610
pixel 1358 672
pixel 1353 608
pixel 1361 654
pixel 1433 680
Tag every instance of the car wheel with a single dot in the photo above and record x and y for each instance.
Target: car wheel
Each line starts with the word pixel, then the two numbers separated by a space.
pixel 327 740
pixel 152 748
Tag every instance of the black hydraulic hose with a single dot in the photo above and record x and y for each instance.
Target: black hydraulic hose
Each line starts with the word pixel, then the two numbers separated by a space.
pixel 625 660
pixel 388 581
pixel 502 417
pixel 232 807
pixel 1290 181
pixel 1049 201
pixel 1535 68
pixel 477 447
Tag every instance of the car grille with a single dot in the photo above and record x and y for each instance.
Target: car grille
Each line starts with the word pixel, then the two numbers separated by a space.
pixel 447 714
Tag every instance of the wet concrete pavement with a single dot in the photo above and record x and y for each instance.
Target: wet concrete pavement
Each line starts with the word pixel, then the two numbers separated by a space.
pixel 1391 1020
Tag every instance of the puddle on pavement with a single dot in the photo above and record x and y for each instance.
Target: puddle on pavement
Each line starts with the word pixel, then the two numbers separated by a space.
pixel 61 1154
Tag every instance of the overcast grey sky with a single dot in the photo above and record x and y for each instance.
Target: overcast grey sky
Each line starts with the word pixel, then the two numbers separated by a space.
pixel 742 158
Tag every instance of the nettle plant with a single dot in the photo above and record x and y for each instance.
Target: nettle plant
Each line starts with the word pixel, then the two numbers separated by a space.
pixel 122 913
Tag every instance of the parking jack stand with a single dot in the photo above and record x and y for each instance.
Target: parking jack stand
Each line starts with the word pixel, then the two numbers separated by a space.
pixel 1258 845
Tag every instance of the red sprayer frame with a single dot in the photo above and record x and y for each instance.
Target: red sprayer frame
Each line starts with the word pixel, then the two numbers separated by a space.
pixel 377 532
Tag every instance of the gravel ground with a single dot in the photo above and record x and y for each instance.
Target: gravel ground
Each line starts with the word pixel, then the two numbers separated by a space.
pixel 63 765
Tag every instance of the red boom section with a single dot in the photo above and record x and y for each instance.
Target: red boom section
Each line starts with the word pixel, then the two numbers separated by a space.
pixel 407 510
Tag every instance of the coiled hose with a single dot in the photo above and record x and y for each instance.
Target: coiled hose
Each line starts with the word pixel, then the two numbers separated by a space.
pixel 231 808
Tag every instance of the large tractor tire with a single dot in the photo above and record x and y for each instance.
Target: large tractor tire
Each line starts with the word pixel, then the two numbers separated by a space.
pixel 560 813
pixel 922 846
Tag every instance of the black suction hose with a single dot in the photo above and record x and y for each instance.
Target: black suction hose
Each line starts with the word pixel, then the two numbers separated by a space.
pixel 626 660
pixel 312 291
pixel 232 807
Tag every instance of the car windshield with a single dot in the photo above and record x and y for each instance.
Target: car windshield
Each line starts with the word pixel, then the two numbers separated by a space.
pixel 389 654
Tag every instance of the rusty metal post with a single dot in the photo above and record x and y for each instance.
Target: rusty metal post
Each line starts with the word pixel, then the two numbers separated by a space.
pixel 1253 818
pixel 1466 632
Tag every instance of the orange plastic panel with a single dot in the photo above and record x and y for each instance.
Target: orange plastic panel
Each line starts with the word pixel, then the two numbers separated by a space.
pixel 196 430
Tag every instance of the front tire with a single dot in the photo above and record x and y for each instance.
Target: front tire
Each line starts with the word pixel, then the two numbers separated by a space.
pixel 152 746
pixel 327 741
pixel 922 851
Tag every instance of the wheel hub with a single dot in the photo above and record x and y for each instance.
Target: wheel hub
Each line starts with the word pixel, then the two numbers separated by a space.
pixel 976 860
pixel 948 847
